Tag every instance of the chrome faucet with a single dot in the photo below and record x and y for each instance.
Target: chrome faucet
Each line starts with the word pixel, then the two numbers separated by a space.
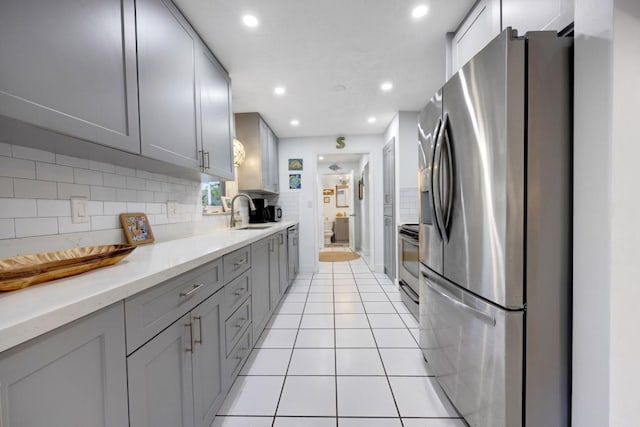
pixel 232 220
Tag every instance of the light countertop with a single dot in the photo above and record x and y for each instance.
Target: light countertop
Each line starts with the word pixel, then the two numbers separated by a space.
pixel 30 312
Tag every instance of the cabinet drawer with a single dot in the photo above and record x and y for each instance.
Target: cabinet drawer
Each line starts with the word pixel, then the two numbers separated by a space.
pixel 236 292
pixel 151 311
pixel 238 357
pixel 236 263
pixel 236 324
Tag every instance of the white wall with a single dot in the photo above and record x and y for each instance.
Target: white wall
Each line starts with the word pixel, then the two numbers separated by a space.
pixel 309 199
pixel 606 348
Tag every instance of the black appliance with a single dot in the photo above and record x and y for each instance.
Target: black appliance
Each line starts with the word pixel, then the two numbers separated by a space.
pixel 275 213
pixel 261 214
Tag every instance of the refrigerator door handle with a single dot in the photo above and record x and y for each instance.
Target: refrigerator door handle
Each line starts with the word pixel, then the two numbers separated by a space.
pixel 434 150
pixel 410 292
pixel 449 194
pixel 437 186
pixel 491 321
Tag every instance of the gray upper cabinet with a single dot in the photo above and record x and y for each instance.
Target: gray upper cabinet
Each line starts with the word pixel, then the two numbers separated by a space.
pixel 70 66
pixel 216 119
pixel 168 90
pixel 524 15
pixel 259 173
pixel 73 376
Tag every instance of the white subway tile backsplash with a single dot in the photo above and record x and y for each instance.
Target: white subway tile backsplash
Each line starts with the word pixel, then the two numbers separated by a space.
pixel 125 171
pixel 27 227
pixel 144 174
pixel 66 226
pixel 144 196
pixel 17 208
pixel 28 153
pixel 123 195
pixel 160 219
pixel 95 208
pixel 154 186
pixel 74 162
pixel 53 208
pixel 102 167
pixel 114 208
pixel 86 176
pixel 134 183
pixel 153 208
pixel 32 189
pixel 112 180
pixel 17 168
pixel 7 229
pixel 104 222
pixel 5 149
pixel 66 191
pixel 136 207
pixel 51 172
pixel 160 177
pixel 6 187
pixel 103 193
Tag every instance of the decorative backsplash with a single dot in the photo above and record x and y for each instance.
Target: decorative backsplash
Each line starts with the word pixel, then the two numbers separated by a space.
pixel 35 187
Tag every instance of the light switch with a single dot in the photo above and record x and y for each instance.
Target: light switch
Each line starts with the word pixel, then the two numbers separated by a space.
pixel 79 210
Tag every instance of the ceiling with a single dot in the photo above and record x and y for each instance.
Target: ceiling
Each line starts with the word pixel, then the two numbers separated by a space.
pixel 340 159
pixel 331 56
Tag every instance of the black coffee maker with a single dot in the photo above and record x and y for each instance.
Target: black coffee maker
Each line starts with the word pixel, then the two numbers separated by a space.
pixel 261 214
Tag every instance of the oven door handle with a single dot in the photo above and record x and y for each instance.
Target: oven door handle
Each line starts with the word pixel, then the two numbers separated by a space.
pixel 410 292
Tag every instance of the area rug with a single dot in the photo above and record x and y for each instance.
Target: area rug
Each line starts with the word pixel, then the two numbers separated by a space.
pixel 338 256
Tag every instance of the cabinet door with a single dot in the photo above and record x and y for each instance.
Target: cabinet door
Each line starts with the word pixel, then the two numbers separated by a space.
pixel 264 147
pixel 274 273
pixel 524 15
pixel 70 66
pixel 208 357
pixel 215 116
pixel 160 379
pixel 477 30
pixel 260 300
pixel 166 70
pixel 283 257
pixel 73 376
pixel 273 161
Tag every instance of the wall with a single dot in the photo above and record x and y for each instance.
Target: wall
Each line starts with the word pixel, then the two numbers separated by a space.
pixel 309 197
pixel 605 316
pixel 35 212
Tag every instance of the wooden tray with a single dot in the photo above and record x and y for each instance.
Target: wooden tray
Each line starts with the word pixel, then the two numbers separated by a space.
pixel 26 270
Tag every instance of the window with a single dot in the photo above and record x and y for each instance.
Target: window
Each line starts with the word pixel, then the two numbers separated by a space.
pixel 212 193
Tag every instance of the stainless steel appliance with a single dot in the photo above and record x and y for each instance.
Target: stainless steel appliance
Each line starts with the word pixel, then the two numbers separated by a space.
pixel 294 254
pixel 275 213
pixel 409 266
pixel 495 233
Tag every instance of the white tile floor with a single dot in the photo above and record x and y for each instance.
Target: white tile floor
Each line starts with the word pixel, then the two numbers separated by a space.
pixel 340 350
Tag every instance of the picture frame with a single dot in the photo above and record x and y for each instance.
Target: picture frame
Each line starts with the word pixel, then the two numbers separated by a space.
pixel 327 192
pixel 295 181
pixel 296 164
pixel 342 196
pixel 137 228
pixel 327 199
pixel 226 203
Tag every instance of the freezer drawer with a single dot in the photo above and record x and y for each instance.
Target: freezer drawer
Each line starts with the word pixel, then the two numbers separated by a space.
pixel 475 350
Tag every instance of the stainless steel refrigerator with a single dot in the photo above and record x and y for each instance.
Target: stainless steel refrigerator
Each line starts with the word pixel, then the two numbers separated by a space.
pixel 495 233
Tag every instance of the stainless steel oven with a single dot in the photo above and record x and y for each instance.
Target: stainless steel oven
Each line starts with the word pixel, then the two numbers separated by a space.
pixel 409 266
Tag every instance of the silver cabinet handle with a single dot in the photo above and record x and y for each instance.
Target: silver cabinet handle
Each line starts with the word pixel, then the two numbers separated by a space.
pixel 189 349
pixel 241 324
pixel 239 292
pixel 240 263
pixel 199 319
pixel 195 289
pixel 491 321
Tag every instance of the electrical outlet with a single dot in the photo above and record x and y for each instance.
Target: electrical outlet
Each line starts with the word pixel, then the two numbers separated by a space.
pixel 79 210
pixel 172 208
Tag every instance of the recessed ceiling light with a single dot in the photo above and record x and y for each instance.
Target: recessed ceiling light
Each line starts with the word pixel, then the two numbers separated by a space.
pixel 295 122
pixel 279 90
pixel 420 11
pixel 250 20
pixel 371 119
pixel 320 158
pixel 386 86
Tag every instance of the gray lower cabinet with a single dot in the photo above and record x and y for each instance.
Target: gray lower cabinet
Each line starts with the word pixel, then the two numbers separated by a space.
pixel 274 273
pixel 73 376
pixel 70 67
pixel 177 378
pixel 167 73
pixel 283 261
pixel 260 286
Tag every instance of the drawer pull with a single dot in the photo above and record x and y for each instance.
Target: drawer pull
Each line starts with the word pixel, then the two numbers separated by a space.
pixel 241 324
pixel 239 292
pixel 199 319
pixel 195 289
pixel 239 263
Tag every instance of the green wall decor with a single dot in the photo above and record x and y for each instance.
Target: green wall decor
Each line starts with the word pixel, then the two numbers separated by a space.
pixel 340 144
